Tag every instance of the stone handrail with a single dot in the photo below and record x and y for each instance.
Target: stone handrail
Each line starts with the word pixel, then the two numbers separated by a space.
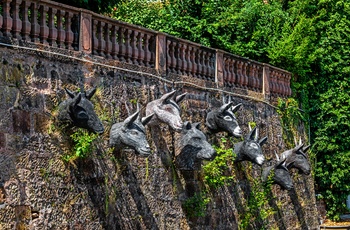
pixel 61 26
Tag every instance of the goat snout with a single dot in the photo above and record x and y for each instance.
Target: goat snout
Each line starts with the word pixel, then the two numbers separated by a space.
pixel 237 131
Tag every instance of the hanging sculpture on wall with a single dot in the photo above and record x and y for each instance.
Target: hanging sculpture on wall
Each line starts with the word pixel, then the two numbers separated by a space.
pixel 250 149
pixel 281 174
pixel 166 110
pixel 193 148
pixel 78 110
pixel 224 119
pixel 131 133
pixel 298 157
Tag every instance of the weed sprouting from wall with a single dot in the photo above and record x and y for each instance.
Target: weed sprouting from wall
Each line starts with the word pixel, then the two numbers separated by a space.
pixel 196 205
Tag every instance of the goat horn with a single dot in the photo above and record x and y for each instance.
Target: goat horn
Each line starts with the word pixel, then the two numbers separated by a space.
pixel 90 93
pixel 197 125
pixel 187 125
pixel 262 141
pixel 306 148
pixel 225 107
pixel 236 107
pixel 70 93
pixel 256 136
pixel 297 148
pixel 129 120
pixel 145 120
pixel 179 98
pixel 167 96
pixel 277 157
pixel 251 134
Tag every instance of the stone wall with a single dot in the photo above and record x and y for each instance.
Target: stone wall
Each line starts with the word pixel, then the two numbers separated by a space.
pixel 39 190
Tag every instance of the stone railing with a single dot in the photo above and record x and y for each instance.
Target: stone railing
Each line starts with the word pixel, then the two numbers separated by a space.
pixel 57 25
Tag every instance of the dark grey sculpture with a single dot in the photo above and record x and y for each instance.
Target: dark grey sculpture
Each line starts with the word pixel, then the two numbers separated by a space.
pixel 166 110
pixel 79 111
pixel 131 133
pixel 224 119
pixel 193 147
pixel 298 157
pixel 250 148
pixel 281 174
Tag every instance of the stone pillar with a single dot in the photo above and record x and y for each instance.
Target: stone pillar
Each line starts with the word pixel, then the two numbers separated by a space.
pixel 266 82
pixel 219 69
pixel 85 41
pixel 161 53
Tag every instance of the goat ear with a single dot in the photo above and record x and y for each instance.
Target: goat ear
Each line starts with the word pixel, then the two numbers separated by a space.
pixel 306 148
pixel 129 120
pixel 277 157
pixel 187 125
pixel 252 134
pixel 197 125
pixel 262 141
pixel 225 107
pixel 236 107
pixel 145 120
pixel 70 93
pixel 167 96
pixel 90 93
pixel 179 98
pixel 281 163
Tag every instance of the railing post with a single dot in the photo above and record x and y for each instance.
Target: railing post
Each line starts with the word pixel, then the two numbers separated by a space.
pixel 266 82
pixel 161 53
pixel 85 39
pixel 219 69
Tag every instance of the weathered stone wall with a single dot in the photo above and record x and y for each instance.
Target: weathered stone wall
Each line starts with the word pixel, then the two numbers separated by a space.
pixel 39 190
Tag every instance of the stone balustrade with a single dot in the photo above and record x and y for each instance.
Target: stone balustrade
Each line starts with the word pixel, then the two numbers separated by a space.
pixel 61 26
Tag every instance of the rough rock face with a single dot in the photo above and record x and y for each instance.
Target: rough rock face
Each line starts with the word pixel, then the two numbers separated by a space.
pixel 41 190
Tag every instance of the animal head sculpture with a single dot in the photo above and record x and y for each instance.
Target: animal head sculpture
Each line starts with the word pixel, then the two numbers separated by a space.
pixel 166 110
pixel 131 133
pixel 79 111
pixel 250 148
pixel 298 156
pixel 224 119
pixel 193 147
pixel 281 175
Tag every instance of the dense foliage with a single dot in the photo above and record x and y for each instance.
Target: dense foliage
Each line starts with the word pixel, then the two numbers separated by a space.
pixel 310 38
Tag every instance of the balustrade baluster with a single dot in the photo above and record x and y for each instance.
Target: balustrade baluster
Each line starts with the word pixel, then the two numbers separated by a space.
pixel 289 92
pixel 7 19
pixel 95 37
pixel 225 71
pixel 168 55
pixel 1 23
pixel 134 50
pixel 176 56
pixel 35 30
pixel 250 74
pixel 44 29
pixel 190 59
pixel 244 74
pixel 259 78
pixel 141 53
pixel 239 74
pixel 195 62
pixel 233 71
pixel 115 45
pixel 179 58
pixel 128 48
pixel 61 34
pixel 212 65
pixel 121 41
pixel 75 27
pixel 101 39
pixel 185 61
pixel 107 35
pixel 199 63
pixel 16 21
pixel 151 48
pixel 206 65
pixel 69 33
pixel 25 21
pixel 52 27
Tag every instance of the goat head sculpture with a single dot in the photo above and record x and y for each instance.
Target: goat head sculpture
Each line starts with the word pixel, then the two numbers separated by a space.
pixel 79 111
pixel 250 148
pixel 131 133
pixel 166 110
pixel 193 147
pixel 298 157
pixel 224 119
pixel 281 174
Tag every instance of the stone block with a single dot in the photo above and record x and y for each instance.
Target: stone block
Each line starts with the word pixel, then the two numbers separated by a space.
pixel 21 121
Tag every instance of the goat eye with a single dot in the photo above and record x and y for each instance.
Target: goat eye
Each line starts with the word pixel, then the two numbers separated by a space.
pixel 134 133
pixel 82 116
pixel 228 118
pixel 253 145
